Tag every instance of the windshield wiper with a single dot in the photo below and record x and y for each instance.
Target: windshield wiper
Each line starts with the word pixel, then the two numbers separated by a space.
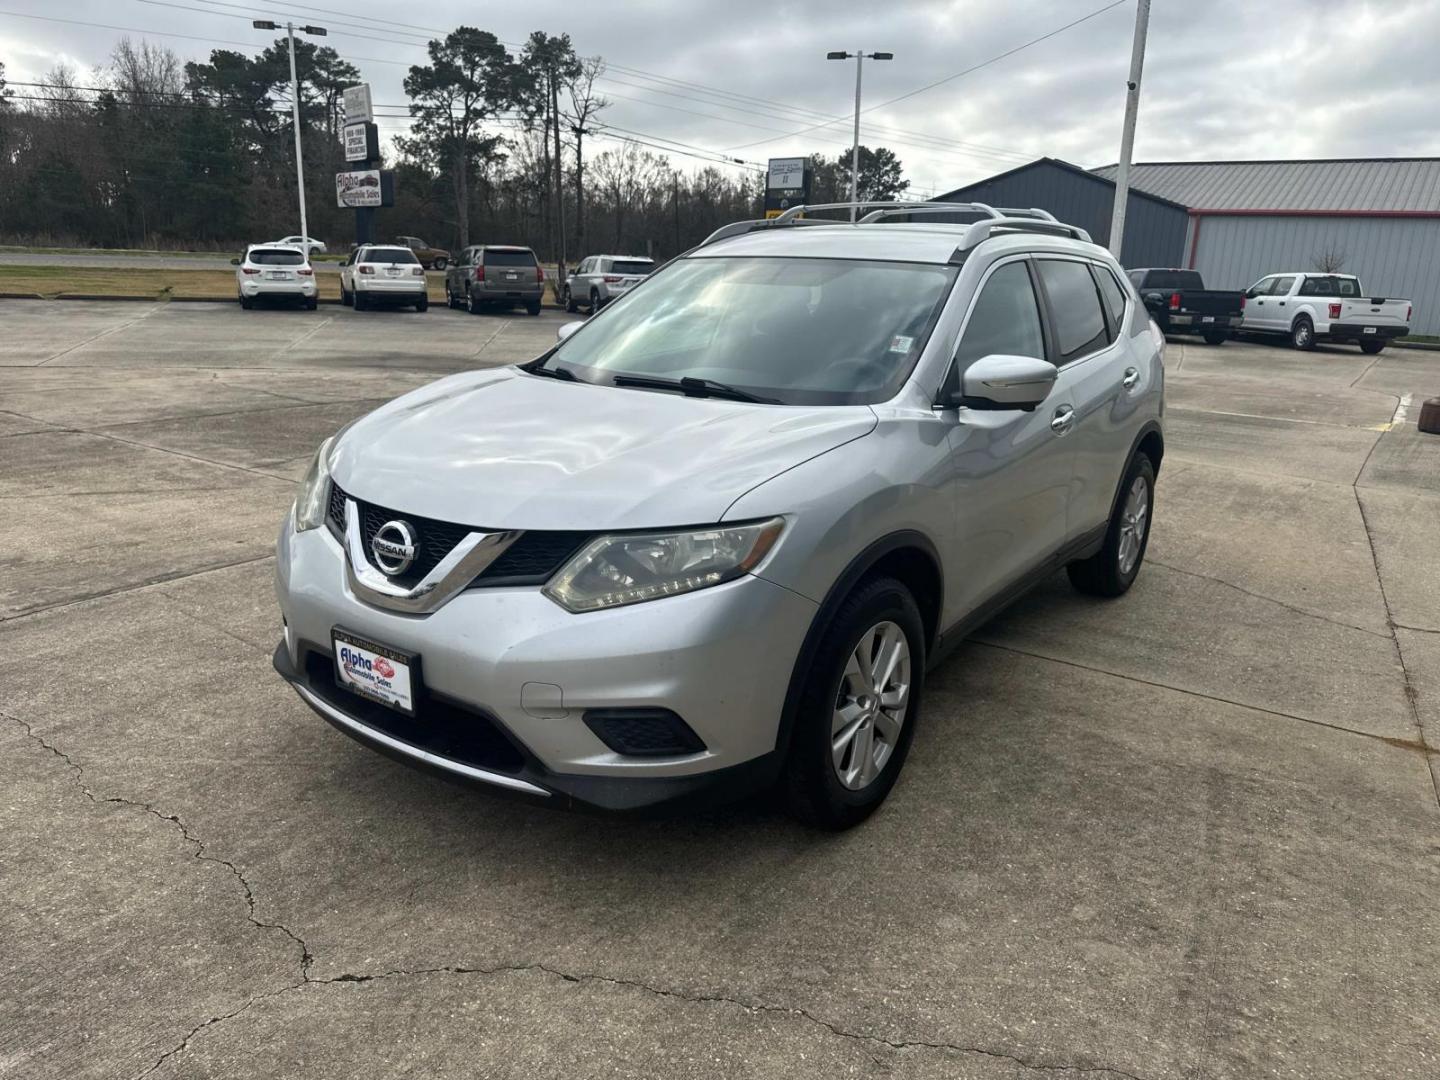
pixel 538 368
pixel 692 387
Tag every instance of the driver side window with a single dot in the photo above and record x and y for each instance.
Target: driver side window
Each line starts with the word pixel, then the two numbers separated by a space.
pixel 1005 319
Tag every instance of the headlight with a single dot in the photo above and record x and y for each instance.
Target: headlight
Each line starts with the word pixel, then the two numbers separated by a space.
pixel 615 570
pixel 314 490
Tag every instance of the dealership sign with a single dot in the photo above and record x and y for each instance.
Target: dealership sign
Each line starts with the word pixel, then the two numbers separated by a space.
pixel 359 188
pixel 358 109
pixel 362 142
pixel 786 173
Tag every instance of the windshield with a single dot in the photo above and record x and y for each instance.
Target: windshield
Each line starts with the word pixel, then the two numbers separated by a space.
pixel 390 255
pixel 799 331
pixel 276 257
pixel 631 266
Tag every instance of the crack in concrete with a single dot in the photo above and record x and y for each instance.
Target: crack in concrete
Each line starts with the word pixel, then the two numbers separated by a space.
pixel 1267 599
pixel 657 991
pixel 120 590
pixel 78 779
pixel 1181 690
pixel 1412 695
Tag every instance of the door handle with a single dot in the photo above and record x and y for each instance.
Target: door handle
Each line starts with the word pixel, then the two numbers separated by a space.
pixel 1282 303
pixel 1063 420
pixel 1260 302
pixel 1132 376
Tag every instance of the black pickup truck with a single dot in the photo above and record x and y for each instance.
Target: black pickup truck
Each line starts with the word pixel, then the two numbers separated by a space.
pixel 1180 304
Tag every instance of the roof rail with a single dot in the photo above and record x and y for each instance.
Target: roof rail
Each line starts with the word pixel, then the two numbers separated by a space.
pixel 740 228
pixel 1033 211
pixel 954 207
pixel 981 231
pixel 930 208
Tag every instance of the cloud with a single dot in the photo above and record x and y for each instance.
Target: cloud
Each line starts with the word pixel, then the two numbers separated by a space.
pixel 1223 79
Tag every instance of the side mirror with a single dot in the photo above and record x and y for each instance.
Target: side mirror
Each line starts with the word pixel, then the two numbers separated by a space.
pixel 1154 298
pixel 999 381
pixel 1251 294
pixel 234 262
pixel 567 329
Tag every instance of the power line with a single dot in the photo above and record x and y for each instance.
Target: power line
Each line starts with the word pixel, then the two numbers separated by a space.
pixel 951 78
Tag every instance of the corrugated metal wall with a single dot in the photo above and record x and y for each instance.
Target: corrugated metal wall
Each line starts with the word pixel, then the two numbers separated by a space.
pixel 1154 231
pixel 1391 256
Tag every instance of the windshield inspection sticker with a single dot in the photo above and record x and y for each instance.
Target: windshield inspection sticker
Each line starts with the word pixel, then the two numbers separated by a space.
pixel 901 344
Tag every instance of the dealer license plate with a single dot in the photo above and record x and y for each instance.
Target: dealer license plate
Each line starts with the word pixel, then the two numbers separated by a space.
pixel 1208 318
pixel 277 275
pixel 392 271
pixel 1369 329
pixel 375 671
pixel 512 277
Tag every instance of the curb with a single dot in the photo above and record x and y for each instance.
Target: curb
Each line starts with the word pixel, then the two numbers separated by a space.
pixel 127 299
pixel 21 296
pixel 1424 346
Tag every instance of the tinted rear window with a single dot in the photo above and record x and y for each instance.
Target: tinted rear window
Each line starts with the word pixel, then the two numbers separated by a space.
pixel 509 258
pixel 1329 286
pixel 277 257
pixel 390 255
pixel 1173 279
pixel 1075 306
pixel 631 266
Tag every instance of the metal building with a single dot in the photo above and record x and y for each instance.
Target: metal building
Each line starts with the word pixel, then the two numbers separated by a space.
pixel 1154 225
pixel 1236 221
pixel 1378 218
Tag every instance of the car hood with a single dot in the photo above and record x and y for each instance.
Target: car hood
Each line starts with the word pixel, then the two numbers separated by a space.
pixel 505 449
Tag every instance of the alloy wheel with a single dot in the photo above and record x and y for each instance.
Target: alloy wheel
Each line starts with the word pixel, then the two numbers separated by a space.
pixel 870 705
pixel 1134 517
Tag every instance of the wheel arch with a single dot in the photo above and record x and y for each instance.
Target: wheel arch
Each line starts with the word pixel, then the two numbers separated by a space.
pixel 907 555
pixel 1150 441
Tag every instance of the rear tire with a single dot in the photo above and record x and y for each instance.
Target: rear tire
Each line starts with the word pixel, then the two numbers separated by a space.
pixel 362 302
pixel 1112 570
pixel 832 788
pixel 312 304
pixel 1302 334
pixel 1215 339
pixel 423 304
pixel 474 305
pixel 441 263
pixel 533 309
pixel 570 305
pixel 246 303
pixel 594 301
pixel 1372 348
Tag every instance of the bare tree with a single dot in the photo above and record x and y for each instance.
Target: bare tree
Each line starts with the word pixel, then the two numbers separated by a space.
pixel 584 103
pixel 630 178
pixel 1329 261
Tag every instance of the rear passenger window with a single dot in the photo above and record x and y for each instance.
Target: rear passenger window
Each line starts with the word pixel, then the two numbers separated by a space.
pixel 1074 306
pixel 1005 319
pixel 1112 292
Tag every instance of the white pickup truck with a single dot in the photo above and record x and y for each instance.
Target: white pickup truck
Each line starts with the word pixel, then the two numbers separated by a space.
pixel 1323 307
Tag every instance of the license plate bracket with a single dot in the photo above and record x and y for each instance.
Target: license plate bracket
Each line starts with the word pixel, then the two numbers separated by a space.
pixel 1208 318
pixel 375 671
pixel 1369 329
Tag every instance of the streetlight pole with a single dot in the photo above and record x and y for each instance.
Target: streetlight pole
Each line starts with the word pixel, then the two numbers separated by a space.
pixel 860 57
pixel 316 31
pixel 1127 134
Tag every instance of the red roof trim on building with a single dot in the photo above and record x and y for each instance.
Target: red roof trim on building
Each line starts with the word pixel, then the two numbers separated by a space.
pixel 1200 212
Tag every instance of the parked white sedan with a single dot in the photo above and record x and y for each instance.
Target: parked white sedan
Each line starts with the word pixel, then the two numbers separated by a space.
pixel 270 271
pixel 310 246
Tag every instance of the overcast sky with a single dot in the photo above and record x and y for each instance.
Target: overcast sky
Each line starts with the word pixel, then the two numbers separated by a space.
pixel 1223 78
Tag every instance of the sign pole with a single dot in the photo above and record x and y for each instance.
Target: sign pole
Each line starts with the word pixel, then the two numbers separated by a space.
pixel 295 116
pixel 855 148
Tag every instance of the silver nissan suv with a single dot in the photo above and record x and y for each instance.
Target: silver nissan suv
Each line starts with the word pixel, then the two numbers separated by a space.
pixel 712 541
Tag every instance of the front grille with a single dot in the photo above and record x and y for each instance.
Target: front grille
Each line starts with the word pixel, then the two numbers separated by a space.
pixel 442 728
pixel 530 560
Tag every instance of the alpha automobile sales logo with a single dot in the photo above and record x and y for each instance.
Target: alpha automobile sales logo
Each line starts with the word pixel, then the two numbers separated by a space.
pixel 384 669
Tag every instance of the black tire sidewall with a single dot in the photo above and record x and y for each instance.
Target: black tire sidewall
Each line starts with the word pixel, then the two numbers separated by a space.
pixel 816 790
pixel 1140 465
pixel 1295 335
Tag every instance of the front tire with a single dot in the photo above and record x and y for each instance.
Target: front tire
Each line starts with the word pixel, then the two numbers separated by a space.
pixel 1372 348
pixel 859 707
pixel 1112 570
pixel 1302 334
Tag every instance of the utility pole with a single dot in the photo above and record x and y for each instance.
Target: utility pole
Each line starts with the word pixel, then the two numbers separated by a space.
pixel 860 58
pixel 315 31
pixel 579 130
pixel 1127 135
pixel 559 175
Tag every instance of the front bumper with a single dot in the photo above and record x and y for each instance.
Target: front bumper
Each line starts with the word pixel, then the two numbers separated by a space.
pixel 508 676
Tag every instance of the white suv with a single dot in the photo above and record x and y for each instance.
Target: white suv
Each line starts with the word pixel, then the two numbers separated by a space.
pixel 383 274
pixel 714 539
pixel 602 278
pixel 273 272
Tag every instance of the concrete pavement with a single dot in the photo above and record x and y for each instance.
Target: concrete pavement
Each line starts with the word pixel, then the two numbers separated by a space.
pixel 1189 833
